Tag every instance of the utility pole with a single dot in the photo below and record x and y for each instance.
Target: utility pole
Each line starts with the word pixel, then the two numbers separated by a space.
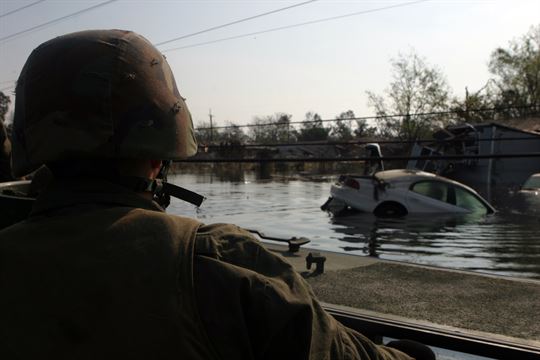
pixel 211 126
pixel 466 103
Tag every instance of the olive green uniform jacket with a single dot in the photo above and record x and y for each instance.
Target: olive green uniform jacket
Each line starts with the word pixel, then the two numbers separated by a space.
pixel 99 272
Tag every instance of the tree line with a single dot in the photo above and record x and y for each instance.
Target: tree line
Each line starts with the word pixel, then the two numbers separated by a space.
pixel 420 94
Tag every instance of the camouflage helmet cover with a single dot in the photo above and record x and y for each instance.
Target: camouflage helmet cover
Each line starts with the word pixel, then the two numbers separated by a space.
pixel 98 94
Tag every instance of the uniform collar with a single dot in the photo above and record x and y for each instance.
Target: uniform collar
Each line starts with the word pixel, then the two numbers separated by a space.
pixel 63 194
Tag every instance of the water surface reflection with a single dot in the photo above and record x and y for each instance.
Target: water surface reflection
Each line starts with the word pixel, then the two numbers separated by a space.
pixel 507 243
pixel 503 243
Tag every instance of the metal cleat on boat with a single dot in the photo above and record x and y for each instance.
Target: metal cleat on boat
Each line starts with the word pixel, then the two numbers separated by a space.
pixel 294 242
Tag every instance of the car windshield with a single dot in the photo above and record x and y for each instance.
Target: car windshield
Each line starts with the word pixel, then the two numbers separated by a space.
pixel 451 194
pixel 469 201
pixel 532 183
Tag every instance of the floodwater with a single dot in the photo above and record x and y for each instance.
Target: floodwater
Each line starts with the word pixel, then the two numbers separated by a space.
pixel 507 243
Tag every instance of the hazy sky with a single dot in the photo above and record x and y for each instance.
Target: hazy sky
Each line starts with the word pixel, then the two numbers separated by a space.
pixel 324 67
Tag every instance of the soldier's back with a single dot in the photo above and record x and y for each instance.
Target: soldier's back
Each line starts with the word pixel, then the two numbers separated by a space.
pixel 99 282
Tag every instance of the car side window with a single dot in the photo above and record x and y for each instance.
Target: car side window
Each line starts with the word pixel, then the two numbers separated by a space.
pixel 532 183
pixel 433 189
pixel 468 201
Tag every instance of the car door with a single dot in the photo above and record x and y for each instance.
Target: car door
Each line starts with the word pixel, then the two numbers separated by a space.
pixel 429 196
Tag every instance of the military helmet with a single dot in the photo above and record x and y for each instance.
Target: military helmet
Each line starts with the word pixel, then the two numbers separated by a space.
pixel 98 94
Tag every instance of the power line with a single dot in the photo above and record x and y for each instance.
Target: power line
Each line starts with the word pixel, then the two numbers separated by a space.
pixel 37 27
pixel 364 142
pixel 21 8
pixel 357 159
pixel 234 22
pixel 297 25
pixel 374 117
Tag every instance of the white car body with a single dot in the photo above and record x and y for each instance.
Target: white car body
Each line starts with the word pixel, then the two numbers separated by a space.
pixel 530 193
pixel 531 186
pixel 401 192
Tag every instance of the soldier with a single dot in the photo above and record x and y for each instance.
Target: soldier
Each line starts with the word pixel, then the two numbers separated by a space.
pixel 99 270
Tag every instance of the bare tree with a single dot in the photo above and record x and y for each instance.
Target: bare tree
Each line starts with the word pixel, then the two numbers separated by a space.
pixel 4 106
pixel 206 134
pixel 312 128
pixel 342 128
pixel 233 134
pixel 271 129
pixel 475 107
pixel 416 88
pixel 517 75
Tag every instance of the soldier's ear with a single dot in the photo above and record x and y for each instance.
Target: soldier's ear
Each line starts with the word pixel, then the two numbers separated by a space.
pixel 155 165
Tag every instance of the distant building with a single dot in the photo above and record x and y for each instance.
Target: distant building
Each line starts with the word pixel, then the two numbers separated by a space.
pixel 491 177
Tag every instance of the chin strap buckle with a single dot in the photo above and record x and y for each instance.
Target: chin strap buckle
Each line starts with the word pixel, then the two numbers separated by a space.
pixel 180 193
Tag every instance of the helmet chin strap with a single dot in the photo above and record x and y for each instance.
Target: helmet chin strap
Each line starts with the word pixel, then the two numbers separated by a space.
pixel 160 188
pixel 180 193
pixel 160 196
pixel 163 190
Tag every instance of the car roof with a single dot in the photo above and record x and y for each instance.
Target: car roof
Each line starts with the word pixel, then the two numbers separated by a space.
pixel 404 175
pixel 410 175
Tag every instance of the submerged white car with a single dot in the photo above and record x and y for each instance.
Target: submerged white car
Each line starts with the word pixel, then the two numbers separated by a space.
pixel 396 193
pixel 529 195
pixel 531 186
